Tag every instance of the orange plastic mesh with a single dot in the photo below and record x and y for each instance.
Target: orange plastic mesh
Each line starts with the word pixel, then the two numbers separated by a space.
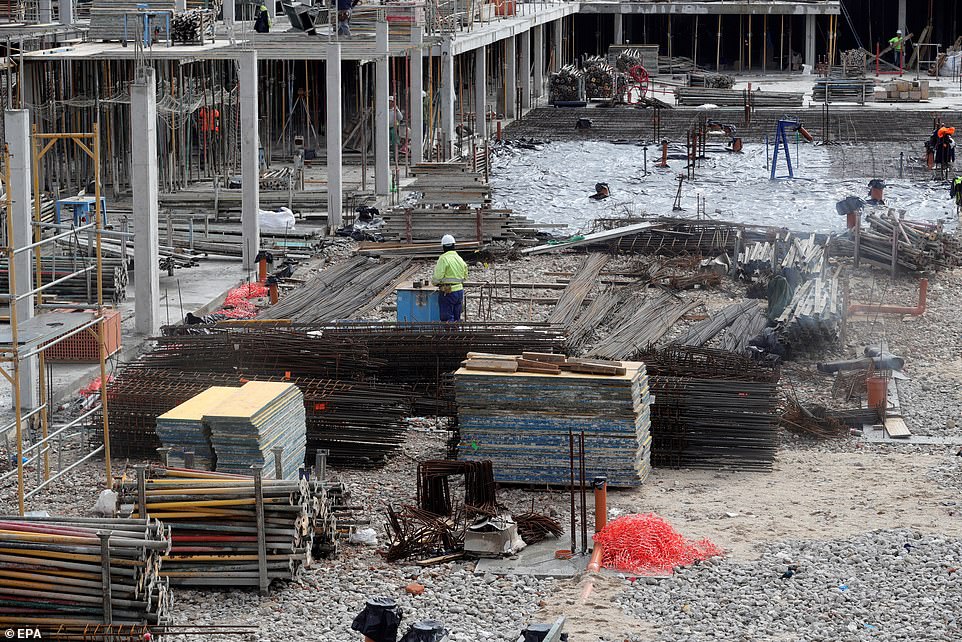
pixel 646 544
pixel 238 303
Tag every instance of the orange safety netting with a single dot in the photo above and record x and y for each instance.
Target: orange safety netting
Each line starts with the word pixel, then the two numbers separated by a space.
pixel 238 303
pixel 647 544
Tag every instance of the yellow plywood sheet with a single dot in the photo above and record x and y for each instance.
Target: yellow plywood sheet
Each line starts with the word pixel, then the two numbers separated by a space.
pixel 249 399
pixel 197 406
pixel 631 371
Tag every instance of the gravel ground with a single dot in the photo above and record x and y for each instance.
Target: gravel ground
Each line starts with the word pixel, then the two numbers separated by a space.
pixel 818 508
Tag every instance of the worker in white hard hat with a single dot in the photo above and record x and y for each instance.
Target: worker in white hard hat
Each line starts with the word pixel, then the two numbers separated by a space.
pixel 450 273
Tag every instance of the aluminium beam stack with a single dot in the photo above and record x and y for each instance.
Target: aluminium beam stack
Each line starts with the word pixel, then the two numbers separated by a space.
pixel 521 421
pixel 183 429
pixel 812 320
pixel 258 417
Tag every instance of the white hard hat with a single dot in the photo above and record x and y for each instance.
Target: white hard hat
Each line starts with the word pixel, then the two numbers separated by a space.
pixel 446 240
pixel 899 32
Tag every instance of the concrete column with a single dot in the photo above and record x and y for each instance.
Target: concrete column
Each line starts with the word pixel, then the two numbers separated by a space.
pixel 17 129
pixel 180 5
pixel 334 166
pixel 66 12
pixel 447 98
pixel 619 37
pixel 229 12
pixel 382 123
pixel 538 38
pixel 250 158
pixel 271 8
pixel 45 9
pixel 556 39
pixel 480 91
pixel 902 18
pixel 525 44
pixel 416 117
pixel 144 181
pixel 810 40
pixel 510 77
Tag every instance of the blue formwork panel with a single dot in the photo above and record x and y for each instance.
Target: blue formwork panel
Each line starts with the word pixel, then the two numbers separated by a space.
pixel 522 421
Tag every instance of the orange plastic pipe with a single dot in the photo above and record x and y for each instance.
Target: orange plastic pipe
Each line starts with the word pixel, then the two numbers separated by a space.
pixel 262 270
pixel 872 308
pixel 594 565
pixel 601 504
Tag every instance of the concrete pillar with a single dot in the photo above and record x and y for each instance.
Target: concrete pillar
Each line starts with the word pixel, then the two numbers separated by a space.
pixel 810 40
pixel 66 12
pixel 144 181
pixel 180 5
pixel 619 36
pixel 17 133
pixel 902 18
pixel 271 8
pixel 537 35
pixel 480 91
pixel 510 77
pixel 416 117
pixel 525 44
pixel 557 37
pixel 382 123
pixel 250 158
pixel 45 10
pixel 334 166
pixel 448 135
pixel 229 12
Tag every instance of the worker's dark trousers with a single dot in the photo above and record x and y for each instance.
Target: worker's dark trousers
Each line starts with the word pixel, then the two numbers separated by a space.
pixel 451 305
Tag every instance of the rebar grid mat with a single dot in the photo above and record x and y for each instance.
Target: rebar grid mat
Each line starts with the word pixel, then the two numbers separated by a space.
pixel 713 409
pixel 139 633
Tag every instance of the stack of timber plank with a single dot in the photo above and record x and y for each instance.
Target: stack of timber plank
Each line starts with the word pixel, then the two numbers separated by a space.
pixel 183 428
pixel 694 96
pixel 107 18
pixel 854 90
pixel 521 421
pixel 452 199
pixel 261 415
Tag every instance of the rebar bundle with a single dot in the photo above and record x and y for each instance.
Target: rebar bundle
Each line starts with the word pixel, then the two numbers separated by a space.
pixel 583 329
pixel 188 27
pixel 745 328
pixel 641 323
pixel 342 291
pixel 712 409
pixel 76 571
pixel 231 530
pixel 574 294
pixel 704 331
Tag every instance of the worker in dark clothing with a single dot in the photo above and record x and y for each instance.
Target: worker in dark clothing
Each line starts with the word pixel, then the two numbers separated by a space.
pixel 344 9
pixel 601 192
pixel 955 191
pixel 262 19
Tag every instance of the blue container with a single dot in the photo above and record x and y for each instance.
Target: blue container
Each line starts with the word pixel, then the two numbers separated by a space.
pixel 417 304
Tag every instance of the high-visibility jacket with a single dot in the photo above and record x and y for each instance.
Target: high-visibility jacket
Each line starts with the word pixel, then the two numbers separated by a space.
pixel 896 43
pixel 450 272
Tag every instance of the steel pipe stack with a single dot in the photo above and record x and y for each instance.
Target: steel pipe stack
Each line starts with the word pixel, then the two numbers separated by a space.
pixel 79 288
pixel 232 530
pixel 76 571
pixel 711 409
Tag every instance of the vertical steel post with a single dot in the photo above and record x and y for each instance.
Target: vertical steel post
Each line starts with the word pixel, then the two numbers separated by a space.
pixel 105 575
pixel 263 580
pixel 141 491
pixel 278 465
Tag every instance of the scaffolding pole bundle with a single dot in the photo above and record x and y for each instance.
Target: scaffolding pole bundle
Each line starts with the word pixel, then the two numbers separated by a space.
pixel 75 571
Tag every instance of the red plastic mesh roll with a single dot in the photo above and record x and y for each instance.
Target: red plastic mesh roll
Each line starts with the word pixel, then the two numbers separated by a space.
pixel 237 305
pixel 647 544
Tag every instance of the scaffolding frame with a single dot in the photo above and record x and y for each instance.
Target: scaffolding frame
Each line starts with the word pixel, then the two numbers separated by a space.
pixel 30 345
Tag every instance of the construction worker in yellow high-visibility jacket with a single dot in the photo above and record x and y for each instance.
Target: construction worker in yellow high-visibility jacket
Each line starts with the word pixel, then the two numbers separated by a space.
pixel 897 44
pixel 450 272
